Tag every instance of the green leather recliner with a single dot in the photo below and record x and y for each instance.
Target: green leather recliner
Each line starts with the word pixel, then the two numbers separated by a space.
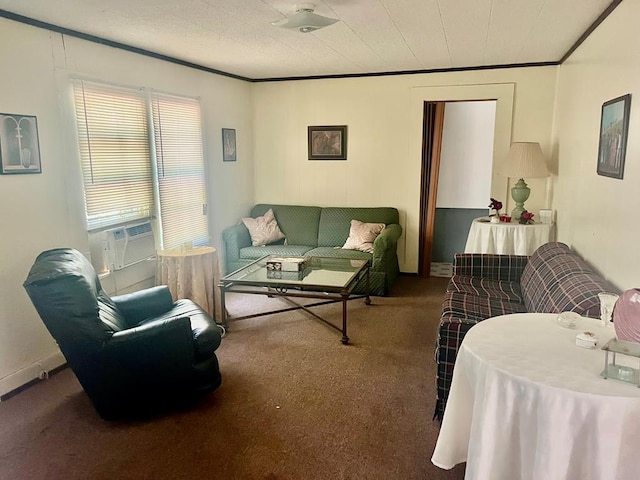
pixel 132 354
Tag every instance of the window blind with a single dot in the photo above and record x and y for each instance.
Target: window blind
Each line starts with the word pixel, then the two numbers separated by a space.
pixel 114 153
pixel 177 127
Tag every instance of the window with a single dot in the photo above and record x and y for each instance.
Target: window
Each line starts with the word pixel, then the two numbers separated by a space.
pixel 141 154
pixel 180 167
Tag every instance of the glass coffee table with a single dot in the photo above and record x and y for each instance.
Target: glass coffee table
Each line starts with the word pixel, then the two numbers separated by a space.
pixel 330 279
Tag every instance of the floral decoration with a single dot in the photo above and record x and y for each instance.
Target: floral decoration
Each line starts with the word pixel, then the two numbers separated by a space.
pixel 495 206
pixel 526 218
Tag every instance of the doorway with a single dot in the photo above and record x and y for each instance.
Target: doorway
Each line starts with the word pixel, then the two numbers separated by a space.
pixel 456 177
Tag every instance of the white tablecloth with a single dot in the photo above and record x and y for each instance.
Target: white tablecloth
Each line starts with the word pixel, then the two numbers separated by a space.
pixel 192 274
pixel 507 238
pixel 527 403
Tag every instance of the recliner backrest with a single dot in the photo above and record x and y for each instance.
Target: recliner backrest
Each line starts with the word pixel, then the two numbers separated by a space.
pixel 66 292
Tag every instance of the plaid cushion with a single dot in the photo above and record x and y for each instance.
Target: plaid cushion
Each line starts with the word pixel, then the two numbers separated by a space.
pixel 539 280
pixel 547 251
pixel 557 280
pixel 493 267
pixel 483 287
pixel 577 293
pixel 450 334
pixel 463 306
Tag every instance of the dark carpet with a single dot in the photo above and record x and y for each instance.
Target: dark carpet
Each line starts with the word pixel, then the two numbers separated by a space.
pixel 294 404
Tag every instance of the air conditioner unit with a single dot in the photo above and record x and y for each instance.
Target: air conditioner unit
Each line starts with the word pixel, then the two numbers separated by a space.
pixel 128 245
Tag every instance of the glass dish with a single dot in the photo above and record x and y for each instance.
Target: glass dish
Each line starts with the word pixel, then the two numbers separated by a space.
pixel 568 319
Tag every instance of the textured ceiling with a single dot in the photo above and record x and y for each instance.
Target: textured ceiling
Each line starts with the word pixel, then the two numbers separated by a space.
pixel 372 36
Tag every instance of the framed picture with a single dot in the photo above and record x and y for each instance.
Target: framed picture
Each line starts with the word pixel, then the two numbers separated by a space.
pixel 19 145
pixel 327 143
pixel 614 126
pixel 229 144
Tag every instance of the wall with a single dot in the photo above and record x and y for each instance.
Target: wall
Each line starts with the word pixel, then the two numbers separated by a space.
pixel 43 211
pixel 451 229
pixel 384 116
pixel 597 215
pixel 466 159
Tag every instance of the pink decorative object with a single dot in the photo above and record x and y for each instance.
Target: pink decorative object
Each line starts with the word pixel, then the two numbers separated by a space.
pixel 626 316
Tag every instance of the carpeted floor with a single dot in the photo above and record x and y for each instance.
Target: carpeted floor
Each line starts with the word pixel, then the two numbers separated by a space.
pixel 294 404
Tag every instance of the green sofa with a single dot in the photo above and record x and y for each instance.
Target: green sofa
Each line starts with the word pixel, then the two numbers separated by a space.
pixel 317 231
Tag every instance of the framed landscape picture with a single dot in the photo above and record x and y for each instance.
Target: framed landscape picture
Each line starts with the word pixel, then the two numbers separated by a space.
pixel 19 145
pixel 228 144
pixel 327 143
pixel 614 126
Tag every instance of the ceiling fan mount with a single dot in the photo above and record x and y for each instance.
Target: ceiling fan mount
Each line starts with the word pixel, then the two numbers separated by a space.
pixel 305 20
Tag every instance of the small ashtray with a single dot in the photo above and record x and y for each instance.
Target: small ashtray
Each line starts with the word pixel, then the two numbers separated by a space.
pixel 568 319
pixel 586 340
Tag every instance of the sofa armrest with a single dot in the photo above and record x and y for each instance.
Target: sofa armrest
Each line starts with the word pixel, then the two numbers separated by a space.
pixel 142 304
pixel 234 238
pixel 492 267
pixel 386 244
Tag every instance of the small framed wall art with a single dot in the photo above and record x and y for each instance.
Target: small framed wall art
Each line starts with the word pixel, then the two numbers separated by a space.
pixel 327 143
pixel 19 145
pixel 614 126
pixel 229 145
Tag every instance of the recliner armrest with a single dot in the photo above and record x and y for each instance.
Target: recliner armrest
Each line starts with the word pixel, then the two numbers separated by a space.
pixel 143 304
pixel 164 343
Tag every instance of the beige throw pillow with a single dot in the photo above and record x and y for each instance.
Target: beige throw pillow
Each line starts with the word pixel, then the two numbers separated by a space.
pixel 362 235
pixel 263 230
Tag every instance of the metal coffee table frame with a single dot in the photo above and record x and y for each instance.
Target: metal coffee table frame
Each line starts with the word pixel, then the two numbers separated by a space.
pixel 252 279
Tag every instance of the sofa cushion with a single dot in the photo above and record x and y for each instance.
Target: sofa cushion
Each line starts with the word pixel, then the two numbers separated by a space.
pixel 548 266
pixel 547 251
pixel 264 229
pixel 253 253
pixel 472 307
pixel 298 223
pixel 337 252
pixel 483 287
pixel 335 222
pixel 450 334
pixel 362 235
pixel 576 293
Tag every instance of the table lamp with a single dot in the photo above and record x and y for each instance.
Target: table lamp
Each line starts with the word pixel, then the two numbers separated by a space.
pixel 524 159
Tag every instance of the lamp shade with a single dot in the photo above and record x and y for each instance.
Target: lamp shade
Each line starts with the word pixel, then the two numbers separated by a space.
pixel 524 160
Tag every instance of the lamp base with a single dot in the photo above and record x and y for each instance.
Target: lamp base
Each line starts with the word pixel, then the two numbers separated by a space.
pixel 520 193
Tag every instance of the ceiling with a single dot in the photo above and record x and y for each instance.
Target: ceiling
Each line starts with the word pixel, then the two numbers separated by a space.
pixel 372 36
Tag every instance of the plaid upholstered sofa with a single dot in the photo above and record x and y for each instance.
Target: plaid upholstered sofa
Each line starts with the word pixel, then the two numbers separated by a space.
pixel 319 232
pixel 553 279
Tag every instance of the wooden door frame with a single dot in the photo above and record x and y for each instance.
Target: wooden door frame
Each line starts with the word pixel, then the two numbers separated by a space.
pixel 432 128
pixel 504 94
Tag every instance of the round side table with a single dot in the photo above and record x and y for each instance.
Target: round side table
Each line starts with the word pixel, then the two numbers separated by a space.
pixel 192 274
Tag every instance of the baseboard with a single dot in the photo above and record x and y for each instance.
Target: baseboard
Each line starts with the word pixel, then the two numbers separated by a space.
pixel 27 375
